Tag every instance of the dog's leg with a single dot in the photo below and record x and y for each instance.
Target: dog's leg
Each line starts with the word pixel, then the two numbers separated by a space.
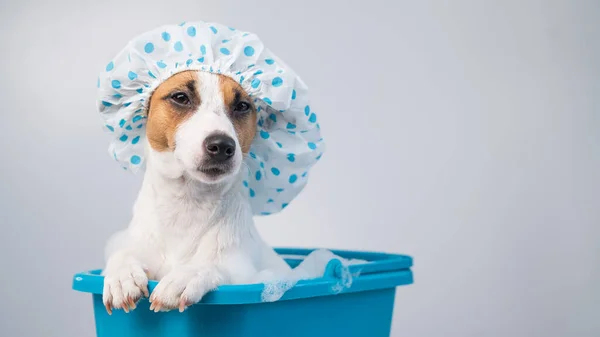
pixel 185 285
pixel 125 281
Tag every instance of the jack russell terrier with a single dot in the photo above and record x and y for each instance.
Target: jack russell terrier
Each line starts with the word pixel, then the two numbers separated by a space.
pixel 192 227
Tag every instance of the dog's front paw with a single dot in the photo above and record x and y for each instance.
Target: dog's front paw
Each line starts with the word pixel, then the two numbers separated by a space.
pixel 124 287
pixel 182 288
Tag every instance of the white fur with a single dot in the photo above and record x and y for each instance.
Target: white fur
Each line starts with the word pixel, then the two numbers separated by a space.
pixel 189 232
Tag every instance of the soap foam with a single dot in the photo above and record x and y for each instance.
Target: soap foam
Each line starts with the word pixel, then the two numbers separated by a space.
pixel 313 266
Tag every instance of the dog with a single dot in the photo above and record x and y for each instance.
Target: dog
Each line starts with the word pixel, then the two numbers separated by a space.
pixel 192 227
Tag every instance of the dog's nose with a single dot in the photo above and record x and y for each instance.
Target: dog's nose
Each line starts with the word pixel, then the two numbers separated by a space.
pixel 219 147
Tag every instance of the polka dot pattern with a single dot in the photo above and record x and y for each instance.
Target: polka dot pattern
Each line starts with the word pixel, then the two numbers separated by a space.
pixel 149 47
pixel 248 51
pixel 288 140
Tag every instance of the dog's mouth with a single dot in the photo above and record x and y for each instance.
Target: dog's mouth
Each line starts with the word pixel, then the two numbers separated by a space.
pixel 214 171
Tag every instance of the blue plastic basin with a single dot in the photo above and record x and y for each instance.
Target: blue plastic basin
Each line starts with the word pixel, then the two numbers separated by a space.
pixel 310 308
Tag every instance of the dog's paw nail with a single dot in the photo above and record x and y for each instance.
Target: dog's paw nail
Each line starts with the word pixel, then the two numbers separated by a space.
pixel 182 305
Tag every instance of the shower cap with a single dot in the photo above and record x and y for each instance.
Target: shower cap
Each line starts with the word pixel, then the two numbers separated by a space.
pixel 288 140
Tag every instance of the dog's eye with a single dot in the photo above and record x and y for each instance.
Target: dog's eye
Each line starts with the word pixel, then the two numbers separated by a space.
pixel 242 107
pixel 180 98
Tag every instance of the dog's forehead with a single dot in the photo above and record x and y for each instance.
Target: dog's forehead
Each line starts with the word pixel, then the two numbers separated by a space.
pixel 209 89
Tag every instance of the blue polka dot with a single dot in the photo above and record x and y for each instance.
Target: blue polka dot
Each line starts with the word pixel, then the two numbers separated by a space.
pixel 270 201
pixel 140 126
pixel 304 174
pixel 255 83
pixel 241 79
pixel 191 31
pixel 279 144
pixel 178 46
pixel 149 47
pixel 273 117
pixel 188 62
pixel 166 36
pixel 260 122
pixel 161 64
pixel 319 156
pixel 258 175
pixel 269 61
pixel 132 76
pixel 123 138
pixel 265 213
pixel 252 194
pixel 139 90
pixel 264 134
pixel 293 178
pixel 280 190
pixel 231 29
pixel 203 49
pixel 135 159
pixel 312 145
pixel 275 171
pixel 135 140
pixel 252 155
pixel 258 72
pixel 106 104
pixel 307 110
pixel 277 82
pixel 201 60
pixel 224 51
pixel 267 100
pixel 312 118
pixel 245 183
pixel 117 96
pixel 248 51
pixel 214 30
pixel 110 66
pixel 115 84
pixel 151 74
pixel 127 104
pixel 136 118
pixel 110 128
pixel 122 122
pixel 293 94
pixel 283 206
pixel 291 157
pixel 262 165
pixel 291 126
pixel 129 128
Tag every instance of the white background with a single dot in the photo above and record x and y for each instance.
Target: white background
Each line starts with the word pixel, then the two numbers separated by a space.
pixel 463 133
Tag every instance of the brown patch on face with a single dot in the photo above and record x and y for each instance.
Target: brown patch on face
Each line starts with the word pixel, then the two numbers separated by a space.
pixel 244 120
pixel 172 103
